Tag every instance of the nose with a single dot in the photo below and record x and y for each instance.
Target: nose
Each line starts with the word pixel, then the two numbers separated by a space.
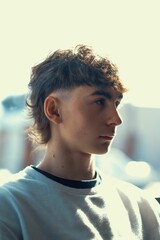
pixel 114 118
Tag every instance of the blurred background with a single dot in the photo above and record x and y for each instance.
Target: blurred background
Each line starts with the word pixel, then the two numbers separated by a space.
pixel 126 31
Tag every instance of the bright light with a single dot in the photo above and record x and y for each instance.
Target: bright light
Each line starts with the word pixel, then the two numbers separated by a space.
pixel 138 169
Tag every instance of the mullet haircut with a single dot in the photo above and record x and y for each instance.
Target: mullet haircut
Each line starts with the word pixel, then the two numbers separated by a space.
pixel 64 70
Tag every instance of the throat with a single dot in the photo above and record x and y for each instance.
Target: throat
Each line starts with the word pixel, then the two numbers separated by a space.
pixel 69 169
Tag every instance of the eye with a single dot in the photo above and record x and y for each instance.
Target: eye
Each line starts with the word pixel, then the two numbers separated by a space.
pixel 100 101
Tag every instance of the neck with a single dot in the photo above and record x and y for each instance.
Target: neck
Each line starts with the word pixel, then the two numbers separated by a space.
pixel 68 165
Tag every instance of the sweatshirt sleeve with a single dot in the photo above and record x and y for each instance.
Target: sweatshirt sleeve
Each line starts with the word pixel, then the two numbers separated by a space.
pixel 150 215
pixel 9 223
pixel 143 207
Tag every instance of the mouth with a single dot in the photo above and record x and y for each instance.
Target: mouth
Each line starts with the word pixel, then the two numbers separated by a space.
pixel 107 138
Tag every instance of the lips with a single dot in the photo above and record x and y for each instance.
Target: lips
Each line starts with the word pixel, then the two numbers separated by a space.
pixel 107 137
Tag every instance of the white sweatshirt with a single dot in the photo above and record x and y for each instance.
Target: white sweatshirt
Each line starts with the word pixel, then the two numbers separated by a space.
pixel 34 207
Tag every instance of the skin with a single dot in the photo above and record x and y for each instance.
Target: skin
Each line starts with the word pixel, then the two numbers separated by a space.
pixel 83 122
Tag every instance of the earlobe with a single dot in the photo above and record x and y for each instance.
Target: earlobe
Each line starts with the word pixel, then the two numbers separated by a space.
pixel 51 109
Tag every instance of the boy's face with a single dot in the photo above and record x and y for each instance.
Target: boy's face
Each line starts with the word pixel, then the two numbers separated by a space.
pixel 89 118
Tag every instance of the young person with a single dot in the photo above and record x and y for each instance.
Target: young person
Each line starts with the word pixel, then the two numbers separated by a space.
pixel 73 100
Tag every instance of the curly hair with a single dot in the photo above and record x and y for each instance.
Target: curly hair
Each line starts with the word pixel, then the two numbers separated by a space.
pixel 66 69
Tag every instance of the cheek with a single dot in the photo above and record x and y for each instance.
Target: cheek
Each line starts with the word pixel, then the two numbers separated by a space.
pixel 79 128
pixel 80 121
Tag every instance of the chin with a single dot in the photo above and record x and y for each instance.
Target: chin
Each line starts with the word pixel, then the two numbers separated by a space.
pixel 101 151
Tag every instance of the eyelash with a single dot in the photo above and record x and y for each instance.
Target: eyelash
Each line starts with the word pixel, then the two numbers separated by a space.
pixel 100 101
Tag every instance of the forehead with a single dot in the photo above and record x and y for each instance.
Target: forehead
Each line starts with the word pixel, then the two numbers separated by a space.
pixel 108 92
pixel 88 92
pixel 92 91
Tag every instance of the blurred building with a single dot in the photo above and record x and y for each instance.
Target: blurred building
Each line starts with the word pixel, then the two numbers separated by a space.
pixel 139 135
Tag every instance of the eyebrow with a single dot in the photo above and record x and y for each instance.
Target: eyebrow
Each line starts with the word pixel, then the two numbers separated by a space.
pixel 106 94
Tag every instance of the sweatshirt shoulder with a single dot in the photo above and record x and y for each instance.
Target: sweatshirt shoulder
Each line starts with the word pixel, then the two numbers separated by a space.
pixel 130 194
pixel 123 187
pixel 16 183
pixel 130 191
pixel 133 196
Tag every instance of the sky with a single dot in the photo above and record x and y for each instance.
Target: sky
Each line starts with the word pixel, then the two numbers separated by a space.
pixel 125 31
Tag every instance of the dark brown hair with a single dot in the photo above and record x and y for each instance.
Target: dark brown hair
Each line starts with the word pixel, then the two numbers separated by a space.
pixel 66 69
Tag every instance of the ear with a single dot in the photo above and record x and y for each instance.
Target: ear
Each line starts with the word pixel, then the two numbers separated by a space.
pixel 51 109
